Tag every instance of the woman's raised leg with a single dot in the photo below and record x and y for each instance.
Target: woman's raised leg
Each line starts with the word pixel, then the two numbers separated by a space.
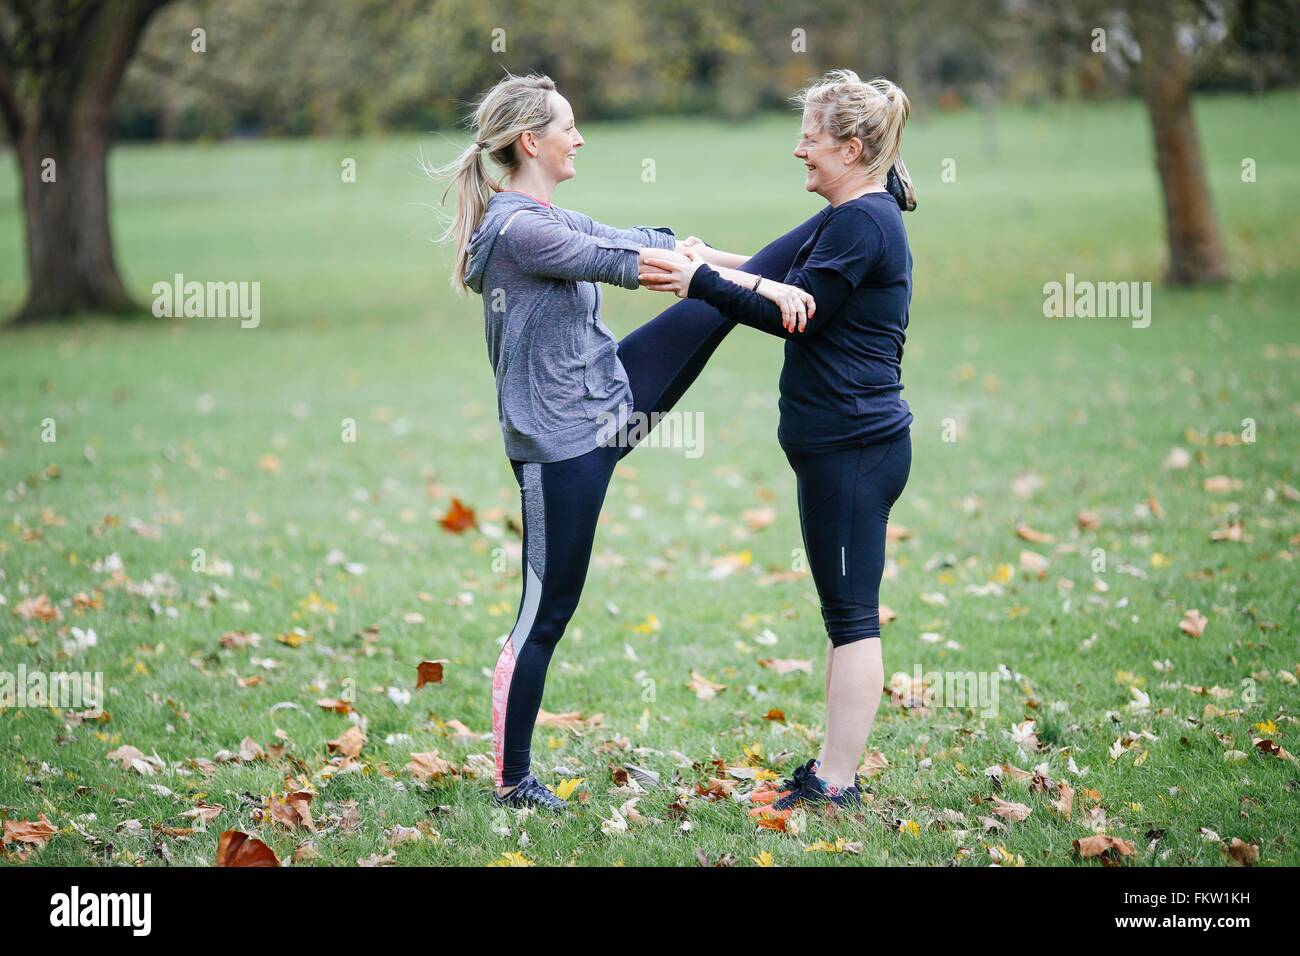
pixel 664 356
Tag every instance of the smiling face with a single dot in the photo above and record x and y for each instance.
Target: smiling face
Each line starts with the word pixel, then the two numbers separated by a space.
pixel 558 145
pixel 828 161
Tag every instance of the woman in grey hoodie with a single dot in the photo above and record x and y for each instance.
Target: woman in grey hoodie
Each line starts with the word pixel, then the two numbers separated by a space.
pixel 571 398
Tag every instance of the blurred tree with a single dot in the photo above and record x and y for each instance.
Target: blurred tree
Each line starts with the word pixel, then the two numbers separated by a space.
pixel 1166 31
pixel 60 65
pixel 1159 44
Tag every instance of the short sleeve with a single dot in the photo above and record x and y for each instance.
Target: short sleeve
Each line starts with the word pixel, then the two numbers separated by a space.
pixel 850 243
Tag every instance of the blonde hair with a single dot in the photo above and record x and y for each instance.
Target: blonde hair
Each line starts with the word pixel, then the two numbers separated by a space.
pixel 874 111
pixel 517 104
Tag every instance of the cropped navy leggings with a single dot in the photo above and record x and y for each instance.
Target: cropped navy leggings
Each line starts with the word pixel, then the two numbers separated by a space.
pixel 561 503
pixel 844 502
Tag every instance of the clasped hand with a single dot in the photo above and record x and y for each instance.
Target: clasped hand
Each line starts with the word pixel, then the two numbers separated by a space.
pixel 662 270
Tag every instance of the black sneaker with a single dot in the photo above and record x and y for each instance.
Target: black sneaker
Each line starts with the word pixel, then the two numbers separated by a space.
pixel 766 796
pixel 812 790
pixel 530 792
pixel 793 781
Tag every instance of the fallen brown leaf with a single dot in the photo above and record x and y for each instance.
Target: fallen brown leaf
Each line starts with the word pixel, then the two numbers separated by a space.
pixel 349 743
pixel 235 848
pixel 429 672
pixel 34 832
pixel 1193 623
pixel 1015 812
pixel 1032 535
pixel 458 518
pixel 429 766
pixel 1110 849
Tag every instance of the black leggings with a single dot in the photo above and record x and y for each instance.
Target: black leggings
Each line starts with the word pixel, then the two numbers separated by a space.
pixel 562 500
pixel 844 502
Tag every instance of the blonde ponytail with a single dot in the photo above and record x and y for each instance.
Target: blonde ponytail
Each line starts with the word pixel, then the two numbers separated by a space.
pixel 875 112
pixel 517 104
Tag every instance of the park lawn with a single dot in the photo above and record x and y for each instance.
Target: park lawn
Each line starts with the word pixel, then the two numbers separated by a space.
pixel 195 434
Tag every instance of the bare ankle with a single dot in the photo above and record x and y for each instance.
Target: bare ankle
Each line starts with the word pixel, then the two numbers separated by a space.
pixel 840 784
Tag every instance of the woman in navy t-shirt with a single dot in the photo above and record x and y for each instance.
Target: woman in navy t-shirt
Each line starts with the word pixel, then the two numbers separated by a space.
pixel 844 427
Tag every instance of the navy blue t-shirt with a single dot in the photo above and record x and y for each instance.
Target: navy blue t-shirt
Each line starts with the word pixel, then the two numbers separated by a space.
pixel 841 381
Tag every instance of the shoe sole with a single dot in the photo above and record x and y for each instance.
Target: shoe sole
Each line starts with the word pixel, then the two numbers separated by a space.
pixel 823 806
pixel 536 806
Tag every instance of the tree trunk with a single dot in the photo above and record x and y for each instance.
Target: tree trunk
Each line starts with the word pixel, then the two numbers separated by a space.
pixel 1196 253
pixel 58 119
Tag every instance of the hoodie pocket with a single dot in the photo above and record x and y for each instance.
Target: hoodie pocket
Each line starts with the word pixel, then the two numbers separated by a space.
pixel 603 377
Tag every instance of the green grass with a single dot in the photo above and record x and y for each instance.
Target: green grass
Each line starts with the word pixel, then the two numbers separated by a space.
pixel 358 322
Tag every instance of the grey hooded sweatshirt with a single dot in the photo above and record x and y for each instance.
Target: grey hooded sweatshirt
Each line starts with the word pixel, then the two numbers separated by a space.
pixel 560 383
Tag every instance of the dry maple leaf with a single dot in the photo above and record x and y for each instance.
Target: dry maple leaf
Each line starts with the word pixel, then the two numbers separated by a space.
pixel 235 848
pixel 1015 812
pixel 38 608
pixel 429 766
pixel 34 832
pixel 293 810
pixel 716 789
pixel 125 755
pixel 132 759
pixel 250 750
pixel 1063 807
pixel 1193 623
pixel 400 834
pixel 1110 849
pixel 335 705
pixel 458 518
pixel 1270 747
pixel 237 639
pixel 896 532
pixel 429 672
pixel 703 688
pixel 207 812
pixel 1032 535
pixel 1016 773
pixel 1025 737
pixel 783 665
pixel 758 518
pixel 1222 484
pixel 615 825
pixel 776 820
pixel 1034 563
pixel 1233 531
pixel 348 743
pixel 874 764
pixel 1244 854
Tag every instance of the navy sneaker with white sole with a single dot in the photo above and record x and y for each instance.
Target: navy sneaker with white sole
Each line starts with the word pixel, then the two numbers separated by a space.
pixel 815 791
pixel 530 792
